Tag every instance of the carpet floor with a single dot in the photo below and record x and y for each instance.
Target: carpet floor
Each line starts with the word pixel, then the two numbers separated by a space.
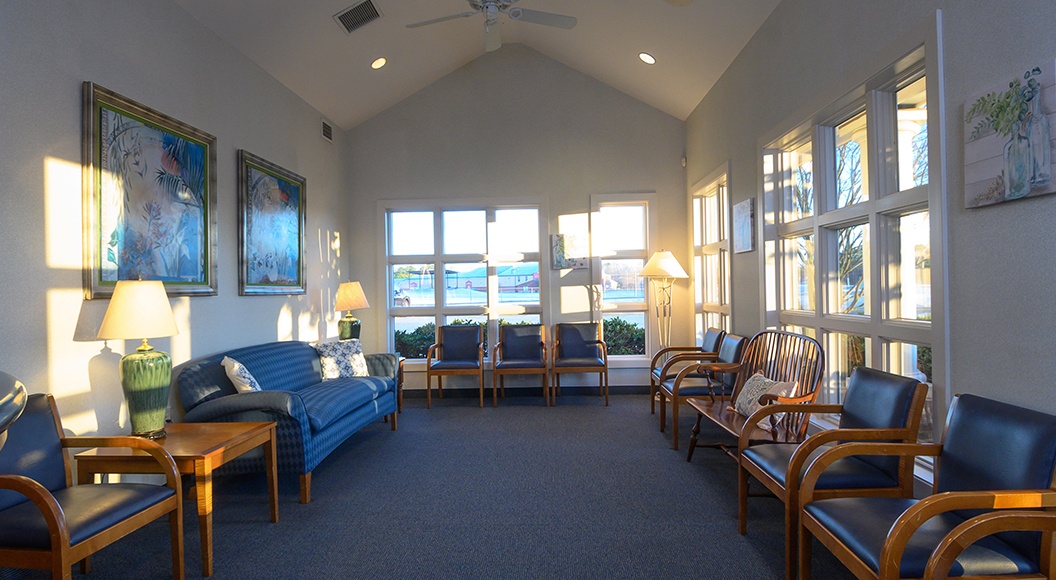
pixel 519 491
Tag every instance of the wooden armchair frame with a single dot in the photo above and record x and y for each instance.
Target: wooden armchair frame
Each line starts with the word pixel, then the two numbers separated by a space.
pixel 62 554
pixel 664 364
pixel 603 371
pixel 789 493
pixel 437 349
pixel 731 348
pixel 498 375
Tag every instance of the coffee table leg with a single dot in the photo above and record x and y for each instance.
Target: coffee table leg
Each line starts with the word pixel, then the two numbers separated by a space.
pixel 271 465
pixel 203 483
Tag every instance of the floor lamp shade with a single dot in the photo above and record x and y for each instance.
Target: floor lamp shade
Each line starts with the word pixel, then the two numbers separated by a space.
pixel 350 297
pixel 140 309
pixel 662 269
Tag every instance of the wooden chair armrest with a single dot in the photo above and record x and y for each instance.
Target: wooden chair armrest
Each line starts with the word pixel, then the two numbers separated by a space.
pixel 429 353
pixel 665 350
pixel 495 353
pixel 810 444
pixel 769 408
pixel 770 398
pixel 719 367
pixel 914 517
pixel 45 502
pixel 604 351
pixel 974 529
pixel 685 358
pixel 168 466
pixel 814 471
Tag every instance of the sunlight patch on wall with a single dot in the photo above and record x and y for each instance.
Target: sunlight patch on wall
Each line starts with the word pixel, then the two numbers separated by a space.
pixel 284 323
pixel 575 299
pixel 181 343
pixel 62 214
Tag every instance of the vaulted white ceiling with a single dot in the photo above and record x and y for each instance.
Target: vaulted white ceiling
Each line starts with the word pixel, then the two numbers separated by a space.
pixel 300 44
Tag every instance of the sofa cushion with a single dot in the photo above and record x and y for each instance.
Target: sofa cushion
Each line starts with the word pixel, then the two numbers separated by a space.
pixel 755 387
pixel 239 375
pixel 332 399
pixel 342 358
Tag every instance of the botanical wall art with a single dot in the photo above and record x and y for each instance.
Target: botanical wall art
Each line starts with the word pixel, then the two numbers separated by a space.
pixel 149 204
pixel 744 226
pixel 271 202
pixel 1008 142
pixel 565 252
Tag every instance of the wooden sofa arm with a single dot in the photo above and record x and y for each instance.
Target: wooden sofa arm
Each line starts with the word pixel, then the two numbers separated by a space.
pixel 907 524
pixel 978 527
pixel 168 466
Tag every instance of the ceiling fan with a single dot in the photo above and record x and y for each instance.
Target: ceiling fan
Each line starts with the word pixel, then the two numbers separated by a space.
pixel 491 10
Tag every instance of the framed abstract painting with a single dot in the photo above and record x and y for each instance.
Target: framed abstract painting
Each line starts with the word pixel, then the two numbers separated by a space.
pixel 148 195
pixel 271 223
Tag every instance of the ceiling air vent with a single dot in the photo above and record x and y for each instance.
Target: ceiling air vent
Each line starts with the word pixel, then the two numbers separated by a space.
pixel 328 132
pixel 357 16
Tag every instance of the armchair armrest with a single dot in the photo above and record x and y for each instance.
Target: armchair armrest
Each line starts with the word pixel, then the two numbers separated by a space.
pixel 914 517
pixel 168 466
pixel 45 502
pixel 433 348
pixel 976 528
pixel 276 402
pixel 676 349
pixel 683 358
pixel 814 471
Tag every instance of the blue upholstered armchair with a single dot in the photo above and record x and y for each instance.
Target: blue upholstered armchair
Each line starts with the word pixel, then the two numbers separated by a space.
pixel 578 348
pixel 521 351
pixel 991 513
pixel 458 350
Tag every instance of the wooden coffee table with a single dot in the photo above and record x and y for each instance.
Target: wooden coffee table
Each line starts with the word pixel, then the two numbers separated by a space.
pixel 198 449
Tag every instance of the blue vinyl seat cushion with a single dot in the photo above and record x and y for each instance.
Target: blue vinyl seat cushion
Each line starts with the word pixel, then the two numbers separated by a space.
pixel 520 364
pixel 847 473
pixel 692 386
pixel 862 525
pixel 580 362
pixel 451 365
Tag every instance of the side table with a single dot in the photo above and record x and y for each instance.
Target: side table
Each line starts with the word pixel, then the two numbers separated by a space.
pixel 197 449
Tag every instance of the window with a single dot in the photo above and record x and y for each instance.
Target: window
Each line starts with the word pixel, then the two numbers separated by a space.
pixel 848 233
pixel 477 265
pixel 620 234
pixel 711 254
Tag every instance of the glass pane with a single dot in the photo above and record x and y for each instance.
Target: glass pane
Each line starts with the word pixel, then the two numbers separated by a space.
pixel 412 285
pixel 515 230
pixel 465 232
pixel 851 175
pixel 698 224
pixel 698 326
pixel 911 360
pixel 852 255
pixel 851 351
pixel 413 335
pixel 799 279
pixel 724 261
pixel 518 283
pixel 698 279
pixel 801 186
pixel 712 279
pixel 622 227
pixel 621 282
pixel 712 218
pixel 712 320
pixel 913 135
pixel 915 270
pixel 804 330
pixel 466 284
pixel 625 333
pixel 517 319
pixel 470 321
pixel 412 233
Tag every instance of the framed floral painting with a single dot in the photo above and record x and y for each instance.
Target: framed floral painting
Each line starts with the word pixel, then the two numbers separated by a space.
pixel 271 216
pixel 149 203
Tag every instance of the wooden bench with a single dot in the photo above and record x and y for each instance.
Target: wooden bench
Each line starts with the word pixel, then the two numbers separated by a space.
pixel 779 356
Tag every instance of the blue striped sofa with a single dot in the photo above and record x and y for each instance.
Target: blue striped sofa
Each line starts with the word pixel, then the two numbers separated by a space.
pixel 313 415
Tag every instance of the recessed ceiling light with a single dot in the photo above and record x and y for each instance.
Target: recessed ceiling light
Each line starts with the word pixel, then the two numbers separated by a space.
pixel 378 63
pixel 646 58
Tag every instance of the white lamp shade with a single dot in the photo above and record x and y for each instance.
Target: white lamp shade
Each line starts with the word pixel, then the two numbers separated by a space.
pixel 138 309
pixel 350 296
pixel 663 265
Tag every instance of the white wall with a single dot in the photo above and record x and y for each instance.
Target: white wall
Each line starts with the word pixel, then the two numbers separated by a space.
pixel 152 52
pixel 1000 275
pixel 514 124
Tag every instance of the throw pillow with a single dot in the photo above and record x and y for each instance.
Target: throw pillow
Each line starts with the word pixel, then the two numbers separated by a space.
pixel 342 358
pixel 240 376
pixel 755 387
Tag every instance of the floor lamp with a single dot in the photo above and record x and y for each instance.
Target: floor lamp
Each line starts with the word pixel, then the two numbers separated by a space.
pixel 662 269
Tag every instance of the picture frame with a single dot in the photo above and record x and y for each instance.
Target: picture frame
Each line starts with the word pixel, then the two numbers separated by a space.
pixel 271 228
pixel 148 197
pixel 566 253
pixel 744 226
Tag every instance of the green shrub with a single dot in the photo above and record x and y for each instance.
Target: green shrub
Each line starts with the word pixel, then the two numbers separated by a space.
pixel 623 337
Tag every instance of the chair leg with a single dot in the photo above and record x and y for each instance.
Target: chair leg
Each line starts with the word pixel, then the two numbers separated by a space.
pixel 663 411
pixel 606 375
pixel 742 499
pixel 652 394
pixel 693 438
pixel 546 389
pixel 428 390
pixel 804 552
pixel 791 527
pixel 495 390
pixel 306 488
pixel 481 389
pixel 440 386
pixel 176 538
pixel 674 422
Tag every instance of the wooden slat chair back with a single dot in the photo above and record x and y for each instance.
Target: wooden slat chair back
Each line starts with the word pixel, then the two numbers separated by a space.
pixel 780 356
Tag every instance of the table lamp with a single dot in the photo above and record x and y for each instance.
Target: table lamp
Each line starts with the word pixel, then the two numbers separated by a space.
pixel 349 297
pixel 662 269
pixel 140 309
pixel 12 402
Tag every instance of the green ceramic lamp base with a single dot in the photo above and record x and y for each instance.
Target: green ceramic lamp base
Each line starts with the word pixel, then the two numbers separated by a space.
pixel 348 327
pixel 145 378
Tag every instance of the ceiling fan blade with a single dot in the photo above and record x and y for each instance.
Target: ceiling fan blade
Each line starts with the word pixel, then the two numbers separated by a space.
pixel 544 18
pixel 443 19
pixel 492 37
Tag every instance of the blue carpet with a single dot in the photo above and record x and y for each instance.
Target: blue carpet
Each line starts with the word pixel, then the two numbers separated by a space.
pixel 520 491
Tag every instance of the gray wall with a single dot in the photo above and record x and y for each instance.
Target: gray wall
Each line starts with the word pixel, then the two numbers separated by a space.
pixel 1000 276
pixel 152 52
pixel 515 124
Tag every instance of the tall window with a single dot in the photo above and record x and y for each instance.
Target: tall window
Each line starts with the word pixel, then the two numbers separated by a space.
pixel 849 230
pixel 475 265
pixel 620 229
pixel 711 256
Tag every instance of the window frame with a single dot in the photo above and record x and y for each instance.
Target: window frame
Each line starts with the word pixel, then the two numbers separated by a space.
pixel 716 183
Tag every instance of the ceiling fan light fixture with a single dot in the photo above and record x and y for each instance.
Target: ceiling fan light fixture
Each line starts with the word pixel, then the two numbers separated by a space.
pixel 378 63
pixel 647 58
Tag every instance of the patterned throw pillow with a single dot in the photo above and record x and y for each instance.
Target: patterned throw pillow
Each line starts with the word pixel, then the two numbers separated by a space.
pixel 342 358
pixel 240 376
pixel 748 400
